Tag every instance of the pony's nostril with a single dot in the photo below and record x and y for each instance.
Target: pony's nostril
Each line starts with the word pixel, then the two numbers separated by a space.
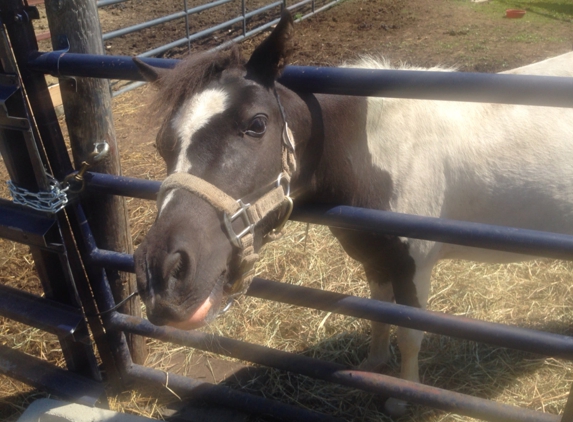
pixel 177 266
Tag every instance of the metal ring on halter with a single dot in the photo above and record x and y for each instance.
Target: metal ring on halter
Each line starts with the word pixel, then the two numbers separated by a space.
pixel 228 305
pixel 287 186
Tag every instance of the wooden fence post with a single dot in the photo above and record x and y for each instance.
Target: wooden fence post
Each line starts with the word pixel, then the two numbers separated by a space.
pixel 87 108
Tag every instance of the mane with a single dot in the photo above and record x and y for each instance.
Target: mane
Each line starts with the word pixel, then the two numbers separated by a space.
pixel 191 75
pixel 374 62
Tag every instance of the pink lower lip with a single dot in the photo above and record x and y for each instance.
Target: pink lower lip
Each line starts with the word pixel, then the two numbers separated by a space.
pixel 197 319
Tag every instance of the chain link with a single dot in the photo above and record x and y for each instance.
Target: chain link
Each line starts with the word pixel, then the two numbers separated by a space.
pixel 50 201
pixel 56 198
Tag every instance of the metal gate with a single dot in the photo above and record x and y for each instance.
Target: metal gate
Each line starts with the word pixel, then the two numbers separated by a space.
pixel 72 266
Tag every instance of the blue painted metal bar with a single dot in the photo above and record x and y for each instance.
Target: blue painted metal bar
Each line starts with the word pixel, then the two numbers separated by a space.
pixel 508 239
pixel 25 225
pixel 105 184
pixel 333 372
pixel 534 341
pixel 523 241
pixel 43 375
pixel 453 86
pixel 44 314
pixel 91 65
pixel 455 326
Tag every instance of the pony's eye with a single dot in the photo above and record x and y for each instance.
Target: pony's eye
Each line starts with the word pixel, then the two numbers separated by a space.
pixel 258 126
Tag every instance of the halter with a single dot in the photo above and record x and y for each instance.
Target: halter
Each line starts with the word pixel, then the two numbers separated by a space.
pixel 250 213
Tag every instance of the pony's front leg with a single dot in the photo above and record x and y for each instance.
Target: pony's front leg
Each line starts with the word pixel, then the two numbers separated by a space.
pixel 410 341
pixel 379 354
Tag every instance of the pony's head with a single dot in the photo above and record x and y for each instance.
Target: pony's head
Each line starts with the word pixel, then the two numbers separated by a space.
pixel 226 145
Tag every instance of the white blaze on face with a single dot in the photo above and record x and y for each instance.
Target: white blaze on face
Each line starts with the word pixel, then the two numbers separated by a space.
pixel 192 116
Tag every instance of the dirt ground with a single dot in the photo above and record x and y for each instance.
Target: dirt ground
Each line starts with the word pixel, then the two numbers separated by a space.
pixel 458 33
pixel 473 37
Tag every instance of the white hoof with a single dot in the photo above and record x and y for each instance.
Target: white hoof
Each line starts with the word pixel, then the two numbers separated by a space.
pixel 395 407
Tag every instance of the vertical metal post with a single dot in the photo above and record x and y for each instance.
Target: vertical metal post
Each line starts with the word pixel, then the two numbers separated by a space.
pixel 25 165
pixel 568 411
pixel 61 275
pixel 187 25
pixel 244 12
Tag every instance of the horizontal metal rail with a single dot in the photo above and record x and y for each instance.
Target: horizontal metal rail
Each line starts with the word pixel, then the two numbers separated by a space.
pixel 103 3
pixel 42 313
pixel 477 235
pixel 332 372
pixel 226 396
pixel 193 37
pixel 210 30
pixel 107 184
pixel 450 86
pixel 527 340
pixel 43 375
pixel 24 225
pixel 534 341
pixel 148 24
pixel 268 25
pixel 508 239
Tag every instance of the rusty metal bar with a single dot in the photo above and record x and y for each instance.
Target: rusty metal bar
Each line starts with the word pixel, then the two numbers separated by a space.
pixel 227 397
pixel 371 382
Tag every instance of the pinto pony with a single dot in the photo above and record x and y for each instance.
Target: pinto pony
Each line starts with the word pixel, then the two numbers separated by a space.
pixel 238 146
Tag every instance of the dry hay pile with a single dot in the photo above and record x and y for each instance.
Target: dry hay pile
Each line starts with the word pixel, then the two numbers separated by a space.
pixel 533 294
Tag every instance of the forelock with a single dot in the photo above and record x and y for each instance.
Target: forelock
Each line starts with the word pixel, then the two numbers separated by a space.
pixel 192 75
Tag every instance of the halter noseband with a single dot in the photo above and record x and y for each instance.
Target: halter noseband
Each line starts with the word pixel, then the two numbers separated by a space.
pixel 250 213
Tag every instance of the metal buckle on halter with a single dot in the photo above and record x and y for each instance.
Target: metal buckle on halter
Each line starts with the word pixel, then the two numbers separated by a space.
pixel 242 212
pixel 290 205
pixel 237 288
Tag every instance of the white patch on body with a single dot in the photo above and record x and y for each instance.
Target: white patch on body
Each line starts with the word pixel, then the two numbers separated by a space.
pixel 195 113
pixel 499 164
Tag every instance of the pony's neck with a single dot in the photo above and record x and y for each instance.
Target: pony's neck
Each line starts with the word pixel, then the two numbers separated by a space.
pixel 334 162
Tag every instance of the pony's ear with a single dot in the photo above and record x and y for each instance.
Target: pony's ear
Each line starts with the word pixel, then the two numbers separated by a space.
pixel 270 57
pixel 149 73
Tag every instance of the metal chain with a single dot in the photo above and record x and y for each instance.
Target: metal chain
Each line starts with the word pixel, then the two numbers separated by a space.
pixel 51 201
pixel 56 198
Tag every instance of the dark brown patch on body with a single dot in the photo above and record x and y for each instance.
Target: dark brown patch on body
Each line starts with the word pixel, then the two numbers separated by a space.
pixel 386 260
pixel 337 169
